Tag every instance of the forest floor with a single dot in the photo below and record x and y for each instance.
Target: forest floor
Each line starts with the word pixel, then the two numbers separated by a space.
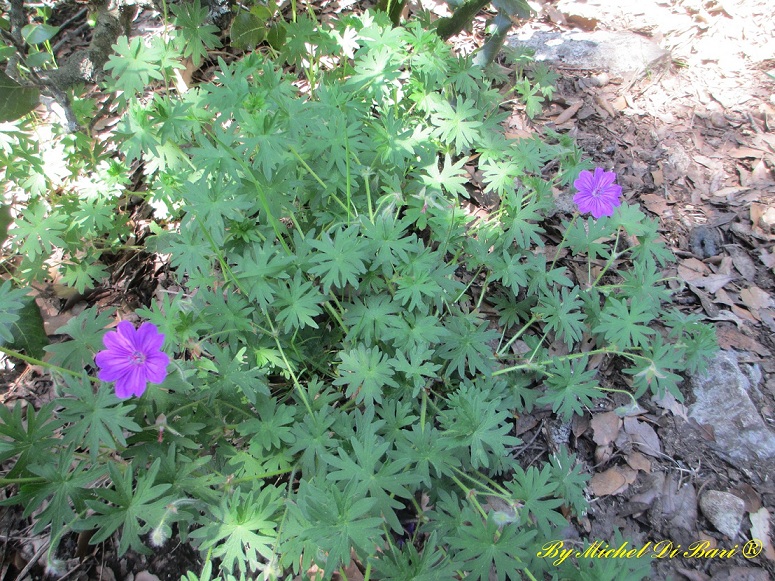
pixel 693 142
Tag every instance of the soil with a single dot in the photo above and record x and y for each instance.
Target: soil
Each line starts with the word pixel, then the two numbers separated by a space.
pixel 693 142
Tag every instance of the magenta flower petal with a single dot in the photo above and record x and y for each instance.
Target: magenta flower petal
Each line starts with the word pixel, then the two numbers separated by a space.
pixel 132 358
pixel 148 337
pixel 597 193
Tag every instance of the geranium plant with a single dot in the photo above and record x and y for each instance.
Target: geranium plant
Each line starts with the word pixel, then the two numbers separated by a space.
pixel 345 346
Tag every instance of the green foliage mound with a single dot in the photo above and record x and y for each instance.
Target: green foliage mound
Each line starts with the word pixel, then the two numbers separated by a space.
pixel 350 346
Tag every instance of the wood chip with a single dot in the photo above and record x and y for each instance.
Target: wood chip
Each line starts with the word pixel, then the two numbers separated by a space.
pixel 568 114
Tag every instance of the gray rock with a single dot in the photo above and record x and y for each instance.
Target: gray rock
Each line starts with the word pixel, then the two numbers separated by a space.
pixel 618 53
pixel 723 402
pixel 724 510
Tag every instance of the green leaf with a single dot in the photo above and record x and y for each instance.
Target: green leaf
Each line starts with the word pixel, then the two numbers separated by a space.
pixel 5 215
pixel 536 492
pixel 365 372
pixel 452 177
pixel 28 332
pixel 590 237
pixel 66 487
pixel 430 454
pixel 38 33
pixel 241 528
pixel 520 220
pixel 654 368
pixel 339 260
pixel 467 345
pixel 299 302
pixel 485 548
pixel 195 37
pixel 134 66
pixel 431 564
pixel 479 424
pixel 30 440
pixel 338 521
pixel 572 480
pixel 248 29
pixel 369 465
pixel 459 125
pixel 625 326
pixel 38 231
pixel 12 302
pixel 132 509
pixel 86 331
pixel 570 388
pixel 38 59
pixel 562 313
pixel 369 318
pixel 96 420
pixel 272 429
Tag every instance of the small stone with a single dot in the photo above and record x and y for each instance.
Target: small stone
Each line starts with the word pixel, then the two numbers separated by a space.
pixel 600 80
pixel 723 400
pixel 724 510
pixel 618 53
pixel 718 120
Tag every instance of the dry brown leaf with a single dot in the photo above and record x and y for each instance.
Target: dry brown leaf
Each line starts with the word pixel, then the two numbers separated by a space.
pixel 729 192
pixel 555 15
pixel 757 214
pixel 568 113
pixel 605 428
pixel 603 454
pixel 730 338
pixel 679 503
pixel 768 259
pixel 711 282
pixel 750 496
pixel 768 219
pixel 184 76
pixel 655 204
pixel 603 103
pixel 743 314
pixel 722 297
pixel 580 424
pixel 638 461
pixel 613 481
pixel 710 308
pixel 755 298
pixel 705 161
pixel 669 403
pixel 693 575
pixel 742 261
pixel 744 152
pixel 694 268
pixel 729 317
pixel 582 22
pixel 644 436
pixel 760 529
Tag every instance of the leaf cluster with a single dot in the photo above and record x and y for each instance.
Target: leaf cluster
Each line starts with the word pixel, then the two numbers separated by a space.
pixel 343 383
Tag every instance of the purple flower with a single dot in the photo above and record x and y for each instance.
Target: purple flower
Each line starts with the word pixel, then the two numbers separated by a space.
pixel 597 193
pixel 132 358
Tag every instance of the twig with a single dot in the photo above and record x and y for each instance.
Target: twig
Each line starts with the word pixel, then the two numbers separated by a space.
pixel 753 123
pixel 59 44
pixel 80 14
pixel 35 558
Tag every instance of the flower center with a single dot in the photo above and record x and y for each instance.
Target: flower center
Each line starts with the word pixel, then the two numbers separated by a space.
pixel 137 358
